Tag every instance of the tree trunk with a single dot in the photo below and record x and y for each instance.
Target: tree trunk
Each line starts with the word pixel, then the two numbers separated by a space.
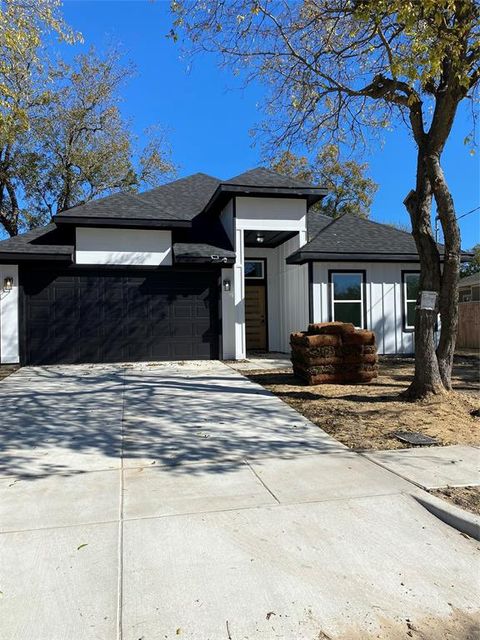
pixel 427 378
pixel 448 299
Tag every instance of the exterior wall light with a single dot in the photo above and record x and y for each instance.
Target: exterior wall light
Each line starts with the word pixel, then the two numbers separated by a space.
pixel 260 238
pixel 8 283
pixel 227 285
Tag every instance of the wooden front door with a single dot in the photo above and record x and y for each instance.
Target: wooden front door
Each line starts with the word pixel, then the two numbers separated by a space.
pixel 256 317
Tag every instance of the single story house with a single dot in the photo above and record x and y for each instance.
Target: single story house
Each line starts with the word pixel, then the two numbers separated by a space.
pixel 200 268
pixel 469 288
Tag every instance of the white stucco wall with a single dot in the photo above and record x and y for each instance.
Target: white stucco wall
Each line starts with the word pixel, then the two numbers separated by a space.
pixel 383 300
pixel 9 329
pixel 129 247
pixel 270 214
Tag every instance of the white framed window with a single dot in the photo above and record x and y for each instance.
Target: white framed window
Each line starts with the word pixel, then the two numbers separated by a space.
pixel 254 269
pixel 411 282
pixel 347 297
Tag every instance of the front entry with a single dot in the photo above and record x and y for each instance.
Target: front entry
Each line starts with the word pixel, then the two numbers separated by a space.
pixel 256 317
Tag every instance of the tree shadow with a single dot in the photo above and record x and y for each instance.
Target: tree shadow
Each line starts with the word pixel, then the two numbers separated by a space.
pixel 70 420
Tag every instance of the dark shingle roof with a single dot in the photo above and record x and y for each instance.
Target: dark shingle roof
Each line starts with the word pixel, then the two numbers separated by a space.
pixel 183 199
pixel 316 222
pixel 262 177
pixel 357 238
pixel 471 280
pixel 48 240
pixel 192 251
pixel 180 200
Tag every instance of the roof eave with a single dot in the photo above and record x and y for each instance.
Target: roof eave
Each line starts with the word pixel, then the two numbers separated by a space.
pixel 20 256
pixel 137 223
pixel 302 257
pixel 225 191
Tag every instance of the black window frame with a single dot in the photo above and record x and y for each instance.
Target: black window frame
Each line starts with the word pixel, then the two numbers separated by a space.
pixel 331 301
pixel 405 326
pixel 264 269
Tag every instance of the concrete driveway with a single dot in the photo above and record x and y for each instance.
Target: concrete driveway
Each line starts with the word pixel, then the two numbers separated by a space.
pixel 183 501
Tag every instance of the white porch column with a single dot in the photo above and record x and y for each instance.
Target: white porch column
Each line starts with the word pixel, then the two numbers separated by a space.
pixel 9 341
pixel 228 316
pixel 239 296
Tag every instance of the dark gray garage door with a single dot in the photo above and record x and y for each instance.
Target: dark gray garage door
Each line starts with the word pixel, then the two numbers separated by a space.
pixel 79 316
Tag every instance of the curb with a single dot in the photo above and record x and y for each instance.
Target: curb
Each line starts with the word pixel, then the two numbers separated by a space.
pixel 456 517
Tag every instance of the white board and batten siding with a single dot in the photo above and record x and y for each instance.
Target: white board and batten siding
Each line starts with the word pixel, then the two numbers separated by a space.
pixel 384 300
pixel 287 293
pixel 128 247
pixel 9 328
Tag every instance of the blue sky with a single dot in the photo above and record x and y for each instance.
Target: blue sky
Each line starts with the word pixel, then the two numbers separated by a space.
pixel 209 116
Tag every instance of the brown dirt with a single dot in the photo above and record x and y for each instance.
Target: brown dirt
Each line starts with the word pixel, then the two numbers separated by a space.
pixel 465 497
pixel 7 369
pixel 363 416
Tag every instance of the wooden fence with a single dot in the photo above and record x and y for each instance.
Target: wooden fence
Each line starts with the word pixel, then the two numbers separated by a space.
pixel 468 336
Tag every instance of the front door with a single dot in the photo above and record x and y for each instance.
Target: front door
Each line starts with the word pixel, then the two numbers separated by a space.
pixel 256 317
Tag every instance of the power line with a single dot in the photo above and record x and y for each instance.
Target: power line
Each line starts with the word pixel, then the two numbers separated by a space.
pixel 468 212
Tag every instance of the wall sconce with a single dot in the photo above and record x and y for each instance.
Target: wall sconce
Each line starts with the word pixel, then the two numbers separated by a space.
pixel 227 285
pixel 260 237
pixel 8 283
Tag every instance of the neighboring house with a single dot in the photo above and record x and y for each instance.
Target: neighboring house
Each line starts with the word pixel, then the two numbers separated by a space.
pixel 197 269
pixel 469 288
pixel 468 335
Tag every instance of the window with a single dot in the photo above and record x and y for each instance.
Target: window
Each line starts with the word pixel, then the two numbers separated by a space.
pixel 254 269
pixel 411 281
pixel 347 297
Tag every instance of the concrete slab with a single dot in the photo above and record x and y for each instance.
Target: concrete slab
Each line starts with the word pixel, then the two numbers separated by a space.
pixel 326 477
pixel 433 467
pixel 354 567
pixel 245 566
pixel 40 452
pixel 199 489
pixel 173 419
pixel 58 501
pixel 51 590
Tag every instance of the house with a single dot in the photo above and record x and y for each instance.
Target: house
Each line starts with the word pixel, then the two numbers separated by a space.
pixel 200 268
pixel 468 335
pixel 469 288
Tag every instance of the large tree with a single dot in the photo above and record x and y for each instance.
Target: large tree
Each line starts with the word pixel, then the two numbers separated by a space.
pixel 349 189
pixel 62 138
pixel 337 68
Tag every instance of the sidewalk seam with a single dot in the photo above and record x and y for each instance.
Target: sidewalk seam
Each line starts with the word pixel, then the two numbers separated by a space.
pixel 120 521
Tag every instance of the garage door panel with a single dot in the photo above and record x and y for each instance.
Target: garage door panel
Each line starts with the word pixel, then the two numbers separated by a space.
pixel 75 316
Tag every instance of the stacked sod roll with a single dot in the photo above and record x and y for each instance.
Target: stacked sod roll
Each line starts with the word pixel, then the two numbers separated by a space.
pixel 334 353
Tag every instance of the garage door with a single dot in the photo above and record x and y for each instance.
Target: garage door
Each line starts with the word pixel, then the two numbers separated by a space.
pixel 117 316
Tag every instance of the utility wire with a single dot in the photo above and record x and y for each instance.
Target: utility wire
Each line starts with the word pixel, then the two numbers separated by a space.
pixel 468 212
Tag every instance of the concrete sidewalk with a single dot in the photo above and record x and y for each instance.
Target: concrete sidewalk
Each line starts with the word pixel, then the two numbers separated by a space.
pixel 184 501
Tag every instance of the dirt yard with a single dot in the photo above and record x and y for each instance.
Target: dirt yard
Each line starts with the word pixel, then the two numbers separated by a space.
pixel 363 416
pixel 464 497
pixel 7 369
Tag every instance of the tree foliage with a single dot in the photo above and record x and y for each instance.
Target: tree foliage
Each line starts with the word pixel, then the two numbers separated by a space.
pixel 349 189
pixel 339 68
pixel 63 140
pixel 474 265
